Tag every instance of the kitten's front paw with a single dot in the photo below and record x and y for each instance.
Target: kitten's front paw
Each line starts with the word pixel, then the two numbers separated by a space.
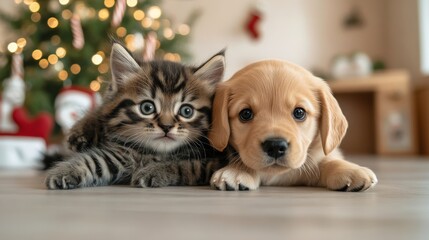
pixel 77 142
pixel 231 179
pixel 63 177
pixel 146 178
pixel 352 179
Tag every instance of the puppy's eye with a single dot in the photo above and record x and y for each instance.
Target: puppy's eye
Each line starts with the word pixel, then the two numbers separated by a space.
pixel 246 115
pixel 299 114
pixel 147 107
pixel 186 111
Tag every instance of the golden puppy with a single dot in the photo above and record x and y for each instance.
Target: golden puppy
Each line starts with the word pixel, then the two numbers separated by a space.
pixel 281 126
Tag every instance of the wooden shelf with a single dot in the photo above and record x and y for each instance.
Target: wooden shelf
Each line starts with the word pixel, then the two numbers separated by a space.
pixel 378 81
pixel 379 109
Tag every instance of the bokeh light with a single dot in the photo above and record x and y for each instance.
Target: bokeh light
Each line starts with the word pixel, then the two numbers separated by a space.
pixel 154 12
pixel 95 85
pixel 75 68
pixel 64 2
pixel 103 14
pixel 132 3
pixel 61 52
pixel 43 63
pixel 37 54
pixel 34 7
pixel 109 3
pixel 97 59
pixel 52 22
pixel 63 75
pixel 138 15
pixel 12 47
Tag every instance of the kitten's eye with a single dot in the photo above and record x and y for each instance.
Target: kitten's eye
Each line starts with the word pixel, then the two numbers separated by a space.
pixel 147 107
pixel 186 111
pixel 246 115
pixel 299 114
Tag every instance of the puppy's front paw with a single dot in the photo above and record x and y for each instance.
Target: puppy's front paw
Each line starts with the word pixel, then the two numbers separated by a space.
pixel 232 179
pixel 352 179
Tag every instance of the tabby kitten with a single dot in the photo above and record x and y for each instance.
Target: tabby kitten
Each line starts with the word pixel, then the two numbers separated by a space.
pixel 150 130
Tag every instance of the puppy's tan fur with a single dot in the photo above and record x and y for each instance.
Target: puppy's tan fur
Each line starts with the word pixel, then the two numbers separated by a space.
pixel 272 89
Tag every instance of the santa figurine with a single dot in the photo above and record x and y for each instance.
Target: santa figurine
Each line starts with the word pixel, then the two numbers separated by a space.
pixel 23 139
pixel 72 103
pixel 13 96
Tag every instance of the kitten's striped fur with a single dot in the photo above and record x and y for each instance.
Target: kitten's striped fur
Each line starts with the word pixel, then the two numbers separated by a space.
pixel 150 130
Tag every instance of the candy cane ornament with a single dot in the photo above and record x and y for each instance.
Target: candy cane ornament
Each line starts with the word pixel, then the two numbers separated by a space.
pixel 18 66
pixel 118 13
pixel 78 37
pixel 149 47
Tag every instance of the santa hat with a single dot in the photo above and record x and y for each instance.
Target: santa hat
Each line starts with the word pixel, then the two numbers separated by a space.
pixel 78 94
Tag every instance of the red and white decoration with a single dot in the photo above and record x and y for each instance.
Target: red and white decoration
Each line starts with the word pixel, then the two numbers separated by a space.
pixel 18 66
pixel 72 103
pixel 118 12
pixel 22 139
pixel 13 95
pixel 149 47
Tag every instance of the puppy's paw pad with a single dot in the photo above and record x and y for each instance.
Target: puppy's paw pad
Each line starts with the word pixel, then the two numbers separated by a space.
pixel 241 187
pixel 231 179
pixel 355 179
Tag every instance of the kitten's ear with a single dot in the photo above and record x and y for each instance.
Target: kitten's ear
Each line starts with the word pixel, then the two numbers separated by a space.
pixel 122 65
pixel 213 69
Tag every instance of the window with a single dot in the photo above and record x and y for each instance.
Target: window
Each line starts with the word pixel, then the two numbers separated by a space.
pixel 424 35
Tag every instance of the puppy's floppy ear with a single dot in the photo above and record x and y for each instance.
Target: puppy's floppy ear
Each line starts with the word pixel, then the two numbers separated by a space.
pixel 220 131
pixel 333 124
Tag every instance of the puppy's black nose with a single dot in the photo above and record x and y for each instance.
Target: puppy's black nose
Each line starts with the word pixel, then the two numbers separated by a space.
pixel 275 147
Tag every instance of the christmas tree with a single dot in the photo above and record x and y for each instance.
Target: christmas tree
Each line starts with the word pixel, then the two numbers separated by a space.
pixel 67 42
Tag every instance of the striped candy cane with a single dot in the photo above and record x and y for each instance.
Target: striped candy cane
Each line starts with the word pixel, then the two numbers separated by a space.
pixel 18 66
pixel 78 37
pixel 118 13
pixel 149 47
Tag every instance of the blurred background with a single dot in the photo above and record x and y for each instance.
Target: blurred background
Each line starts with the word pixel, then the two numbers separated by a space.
pixel 373 53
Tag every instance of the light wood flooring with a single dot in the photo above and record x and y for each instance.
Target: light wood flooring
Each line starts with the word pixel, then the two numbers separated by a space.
pixel 397 208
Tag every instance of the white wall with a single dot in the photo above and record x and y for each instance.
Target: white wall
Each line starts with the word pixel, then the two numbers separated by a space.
pixel 403 49
pixel 307 32
pixel 424 35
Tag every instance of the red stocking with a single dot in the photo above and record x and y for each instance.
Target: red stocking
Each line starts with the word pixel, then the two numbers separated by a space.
pixel 251 26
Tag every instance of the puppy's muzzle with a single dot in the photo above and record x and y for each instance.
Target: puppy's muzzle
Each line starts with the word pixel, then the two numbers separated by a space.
pixel 275 147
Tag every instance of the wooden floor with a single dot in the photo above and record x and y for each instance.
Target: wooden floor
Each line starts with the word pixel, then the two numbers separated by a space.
pixel 398 208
